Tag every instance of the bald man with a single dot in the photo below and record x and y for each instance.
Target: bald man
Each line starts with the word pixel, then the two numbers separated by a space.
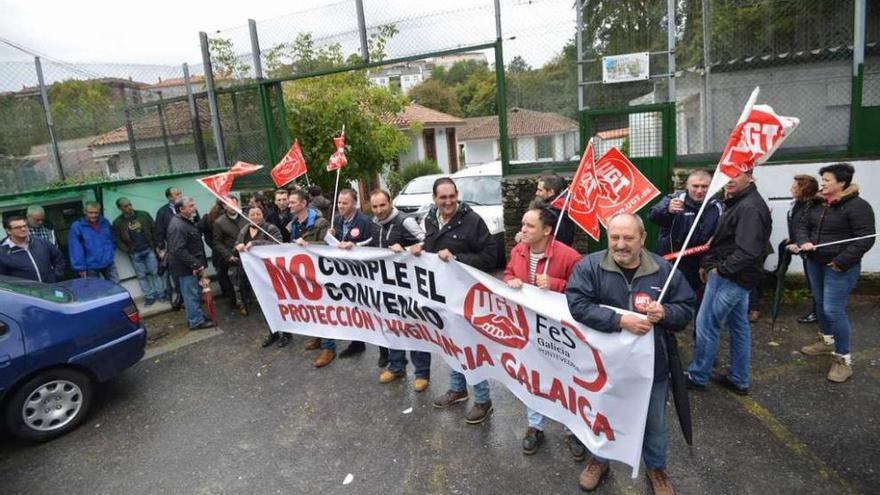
pixel 627 276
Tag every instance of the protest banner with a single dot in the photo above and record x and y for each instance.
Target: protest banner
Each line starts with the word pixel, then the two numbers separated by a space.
pixel 291 166
pixel 595 383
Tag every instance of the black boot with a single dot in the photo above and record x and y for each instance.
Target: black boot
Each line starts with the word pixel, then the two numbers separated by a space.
pixel 284 340
pixel 383 357
pixel 270 339
pixel 354 348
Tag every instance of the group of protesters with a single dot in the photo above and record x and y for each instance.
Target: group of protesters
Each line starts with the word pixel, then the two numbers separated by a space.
pixel 710 289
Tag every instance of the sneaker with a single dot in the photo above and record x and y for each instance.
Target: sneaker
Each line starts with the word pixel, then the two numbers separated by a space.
pixel 389 376
pixel 818 348
pixel 325 358
pixel 840 371
pixel 660 484
pixel 421 384
pixel 808 318
pixel 577 449
pixel 203 325
pixel 724 380
pixel 692 385
pixel 479 413
pixel 533 439
pixel 450 398
pixel 149 301
pixel 592 475
pixel 312 344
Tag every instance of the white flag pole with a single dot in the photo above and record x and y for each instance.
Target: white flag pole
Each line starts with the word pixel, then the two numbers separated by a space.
pixel 237 210
pixel 718 181
pixel 817 246
pixel 335 191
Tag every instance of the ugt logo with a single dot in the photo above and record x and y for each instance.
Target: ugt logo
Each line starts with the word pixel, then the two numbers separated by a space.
pixel 496 318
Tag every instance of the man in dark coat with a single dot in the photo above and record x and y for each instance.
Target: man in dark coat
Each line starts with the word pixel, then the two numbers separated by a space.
pixel 318 202
pixel 280 216
pixel 675 215
pixel 626 276
pixel 187 261
pixel 163 218
pixel 24 256
pixel 733 266
pixel 455 232
pixel 135 235
pixel 549 187
pixel 227 263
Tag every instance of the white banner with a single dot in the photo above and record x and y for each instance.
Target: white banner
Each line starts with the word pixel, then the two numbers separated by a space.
pixel 597 384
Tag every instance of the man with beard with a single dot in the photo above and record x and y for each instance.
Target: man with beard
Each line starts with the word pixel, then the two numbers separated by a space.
pixel 626 276
pixel 455 232
pixel 187 261
pixel 280 216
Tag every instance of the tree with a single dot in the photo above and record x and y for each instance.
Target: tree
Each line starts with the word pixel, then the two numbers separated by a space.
pixel 434 94
pixel 551 88
pixel 83 108
pixel 518 66
pixel 225 62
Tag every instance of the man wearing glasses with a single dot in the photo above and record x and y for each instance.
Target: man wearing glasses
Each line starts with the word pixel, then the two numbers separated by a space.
pixel 29 257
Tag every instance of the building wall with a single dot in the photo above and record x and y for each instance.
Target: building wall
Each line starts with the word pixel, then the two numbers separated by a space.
pixel 416 150
pixel 480 151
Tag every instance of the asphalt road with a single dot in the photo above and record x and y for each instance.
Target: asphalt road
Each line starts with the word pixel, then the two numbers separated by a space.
pixel 221 415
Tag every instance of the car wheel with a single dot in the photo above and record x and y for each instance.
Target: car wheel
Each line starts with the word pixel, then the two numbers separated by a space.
pixel 49 405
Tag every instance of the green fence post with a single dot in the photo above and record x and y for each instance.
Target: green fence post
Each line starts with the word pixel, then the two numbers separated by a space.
pixel 282 118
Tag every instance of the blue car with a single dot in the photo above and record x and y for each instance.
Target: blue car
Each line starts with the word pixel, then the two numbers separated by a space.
pixel 56 342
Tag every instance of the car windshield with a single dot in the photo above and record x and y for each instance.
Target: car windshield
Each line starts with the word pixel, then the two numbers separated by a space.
pixel 480 190
pixel 419 185
pixel 35 289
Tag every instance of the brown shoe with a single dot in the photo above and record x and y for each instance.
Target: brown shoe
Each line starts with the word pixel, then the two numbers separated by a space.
pixel 242 310
pixel 450 398
pixel 389 376
pixel 325 358
pixel 421 384
pixel 312 344
pixel 479 413
pixel 818 348
pixel 592 475
pixel 754 315
pixel 659 482
pixel 840 371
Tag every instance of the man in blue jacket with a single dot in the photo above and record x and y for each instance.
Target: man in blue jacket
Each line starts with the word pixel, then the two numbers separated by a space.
pixel 675 215
pixel 626 276
pixel 91 246
pixel 25 256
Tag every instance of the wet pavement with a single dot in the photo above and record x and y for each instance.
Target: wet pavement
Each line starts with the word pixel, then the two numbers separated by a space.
pixel 213 413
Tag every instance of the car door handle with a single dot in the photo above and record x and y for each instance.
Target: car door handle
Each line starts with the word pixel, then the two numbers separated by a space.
pixel 5 361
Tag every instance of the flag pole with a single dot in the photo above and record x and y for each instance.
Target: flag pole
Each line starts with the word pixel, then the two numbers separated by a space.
pixel 817 246
pixel 717 183
pixel 335 191
pixel 237 210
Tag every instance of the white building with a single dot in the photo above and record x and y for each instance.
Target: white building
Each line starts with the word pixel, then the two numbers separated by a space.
pixel 436 137
pixel 534 137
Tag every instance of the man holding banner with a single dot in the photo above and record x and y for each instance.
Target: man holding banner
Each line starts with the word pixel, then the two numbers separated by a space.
pixel 455 232
pixel 628 277
pixel 731 268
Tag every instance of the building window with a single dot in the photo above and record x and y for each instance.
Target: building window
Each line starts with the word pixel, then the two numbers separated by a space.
pixel 545 147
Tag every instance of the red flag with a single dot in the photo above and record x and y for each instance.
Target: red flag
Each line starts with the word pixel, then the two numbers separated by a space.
pixel 221 184
pixel 623 188
pixel 337 159
pixel 290 167
pixel 755 139
pixel 584 191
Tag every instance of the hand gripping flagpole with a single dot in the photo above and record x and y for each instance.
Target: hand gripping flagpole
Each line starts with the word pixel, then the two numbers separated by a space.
pixel 718 181
pixel 335 191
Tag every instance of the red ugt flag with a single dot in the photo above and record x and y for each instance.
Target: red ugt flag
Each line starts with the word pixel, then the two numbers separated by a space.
pixel 221 184
pixel 584 196
pixel 290 167
pixel 755 139
pixel 337 159
pixel 623 188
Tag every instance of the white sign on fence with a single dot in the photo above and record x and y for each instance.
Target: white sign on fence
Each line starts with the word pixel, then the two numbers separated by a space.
pixel 625 68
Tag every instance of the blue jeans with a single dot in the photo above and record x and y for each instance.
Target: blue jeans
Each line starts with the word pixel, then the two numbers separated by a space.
pixel 146 266
pixel 107 273
pixel 831 292
pixel 538 420
pixel 421 362
pixel 328 344
pixel 457 383
pixel 723 302
pixel 191 293
pixel 656 431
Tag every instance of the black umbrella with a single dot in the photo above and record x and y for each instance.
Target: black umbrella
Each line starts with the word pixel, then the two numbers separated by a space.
pixel 679 389
pixel 781 269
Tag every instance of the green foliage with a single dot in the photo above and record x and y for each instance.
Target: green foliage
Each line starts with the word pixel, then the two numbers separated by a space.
pixel 518 66
pixel 437 95
pixel 393 180
pixel 225 63
pixel 302 56
pixel 418 169
pixel 551 88
pixel 21 125
pixel 83 108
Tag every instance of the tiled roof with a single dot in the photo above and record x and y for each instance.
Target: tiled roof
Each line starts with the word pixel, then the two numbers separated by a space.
pixel 425 116
pixel 177 124
pixel 520 122
pixel 614 133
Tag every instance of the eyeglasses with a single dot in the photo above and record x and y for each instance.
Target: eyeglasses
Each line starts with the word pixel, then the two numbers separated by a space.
pixel 16 227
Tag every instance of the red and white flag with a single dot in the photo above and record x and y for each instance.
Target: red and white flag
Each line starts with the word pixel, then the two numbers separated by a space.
pixel 337 159
pixel 221 184
pixel 290 167
pixel 623 188
pixel 584 194
pixel 755 139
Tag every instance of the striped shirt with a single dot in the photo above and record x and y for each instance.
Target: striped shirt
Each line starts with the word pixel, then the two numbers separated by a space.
pixel 533 265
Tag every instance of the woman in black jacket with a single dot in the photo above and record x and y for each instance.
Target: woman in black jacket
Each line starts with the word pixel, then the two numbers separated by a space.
pixel 804 191
pixel 834 270
pixel 251 236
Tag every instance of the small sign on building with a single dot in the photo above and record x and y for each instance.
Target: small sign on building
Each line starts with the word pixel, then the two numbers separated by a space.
pixel 625 68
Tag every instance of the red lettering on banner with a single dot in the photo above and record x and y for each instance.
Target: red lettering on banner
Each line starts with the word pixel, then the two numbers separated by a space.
pixel 483 356
pixel 298 277
pixel 600 425
pixel 469 358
